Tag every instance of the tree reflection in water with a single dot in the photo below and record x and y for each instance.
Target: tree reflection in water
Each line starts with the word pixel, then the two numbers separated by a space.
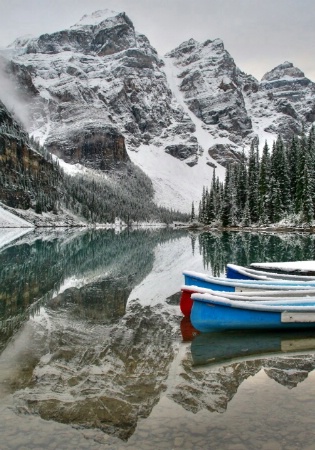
pixel 243 248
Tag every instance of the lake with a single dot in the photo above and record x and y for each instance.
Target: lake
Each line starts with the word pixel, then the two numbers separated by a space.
pixel 95 354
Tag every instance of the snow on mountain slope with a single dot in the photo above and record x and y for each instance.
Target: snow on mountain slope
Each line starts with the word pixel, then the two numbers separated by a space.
pixel 204 137
pixel 103 77
pixel 211 86
pixel 177 185
pixel 9 220
pixel 95 18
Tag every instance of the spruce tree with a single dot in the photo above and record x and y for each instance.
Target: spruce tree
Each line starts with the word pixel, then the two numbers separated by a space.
pixel 192 215
pixel 263 185
pixel 253 171
pixel 300 174
pixel 293 158
pixel 241 184
pixel 307 210
pixel 225 214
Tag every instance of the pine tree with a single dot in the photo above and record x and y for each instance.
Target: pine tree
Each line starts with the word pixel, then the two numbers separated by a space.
pixel 307 210
pixel 192 215
pixel 263 185
pixel 241 184
pixel 280 173
pixel 293 158
pixel 246 222
pixel 253 171
pixel 300 174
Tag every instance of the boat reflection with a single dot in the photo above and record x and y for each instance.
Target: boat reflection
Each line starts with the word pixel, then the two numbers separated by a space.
pixel 187 330
pixel 229 347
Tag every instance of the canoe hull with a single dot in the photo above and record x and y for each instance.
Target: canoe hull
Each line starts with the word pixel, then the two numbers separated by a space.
pixel 186 302
pixel 191 280
pixel 236 275
pixel 212 317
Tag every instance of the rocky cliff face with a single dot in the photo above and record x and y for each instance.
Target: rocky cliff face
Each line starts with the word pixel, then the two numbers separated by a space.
pixel 23 171
pixel 212 87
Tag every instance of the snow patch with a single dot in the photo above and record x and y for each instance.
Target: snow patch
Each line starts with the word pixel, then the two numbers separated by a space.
pixel 9 220
pixel 291 266
pixel 9 235
pixel 95 18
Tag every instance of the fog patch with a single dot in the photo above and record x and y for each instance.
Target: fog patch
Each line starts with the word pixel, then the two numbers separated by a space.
pixel 10 96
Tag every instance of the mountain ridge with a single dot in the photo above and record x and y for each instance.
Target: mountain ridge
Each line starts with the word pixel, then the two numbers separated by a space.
pixel 192 109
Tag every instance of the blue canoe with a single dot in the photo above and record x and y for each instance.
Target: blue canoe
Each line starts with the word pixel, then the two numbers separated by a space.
pixel 240 285
pixel 245 273
pixel 213 313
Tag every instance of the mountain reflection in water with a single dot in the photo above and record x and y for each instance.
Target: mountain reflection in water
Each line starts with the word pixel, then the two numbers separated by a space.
pixel 90 327
pixel 94 364
pixel 82 268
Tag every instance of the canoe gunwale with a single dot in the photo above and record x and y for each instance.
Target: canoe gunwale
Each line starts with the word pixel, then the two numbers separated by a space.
pixel 261 275
pixel 211 300
pixel 261 284
pixel 269 294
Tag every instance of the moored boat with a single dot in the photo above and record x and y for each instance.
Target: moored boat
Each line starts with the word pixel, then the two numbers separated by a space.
pixel 289 267
pixel 235 271
pixel 256 294
pixel 214 313
pixel 240 285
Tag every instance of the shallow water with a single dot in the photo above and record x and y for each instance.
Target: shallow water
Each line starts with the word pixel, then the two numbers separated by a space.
pixel 94 352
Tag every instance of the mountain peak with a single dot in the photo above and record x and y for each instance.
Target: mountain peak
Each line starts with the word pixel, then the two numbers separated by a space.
pixel 96 18
pixel 284 70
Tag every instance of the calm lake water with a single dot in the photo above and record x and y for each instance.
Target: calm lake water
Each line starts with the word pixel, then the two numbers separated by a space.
pixel 94 352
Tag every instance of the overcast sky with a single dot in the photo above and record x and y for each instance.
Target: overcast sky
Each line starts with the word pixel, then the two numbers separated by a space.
pixel 259 35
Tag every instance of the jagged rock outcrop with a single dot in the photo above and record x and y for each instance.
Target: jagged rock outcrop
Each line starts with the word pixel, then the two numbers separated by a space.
pixel 224 154
pixel 212 86
pixel 235 106
pixel 284 102
pixel 96 148
pixel 93 86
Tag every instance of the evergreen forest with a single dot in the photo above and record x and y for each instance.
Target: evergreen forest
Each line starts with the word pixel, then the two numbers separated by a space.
pixel 278 186
pixel 30 177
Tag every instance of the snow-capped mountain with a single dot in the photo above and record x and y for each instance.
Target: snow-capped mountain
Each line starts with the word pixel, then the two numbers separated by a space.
pixel 103 77
pixel 235 107
pixel 284 102
pixel 99 94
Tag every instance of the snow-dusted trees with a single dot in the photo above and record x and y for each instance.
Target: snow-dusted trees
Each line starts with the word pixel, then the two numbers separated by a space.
pixel 278 185
pixel 31 178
